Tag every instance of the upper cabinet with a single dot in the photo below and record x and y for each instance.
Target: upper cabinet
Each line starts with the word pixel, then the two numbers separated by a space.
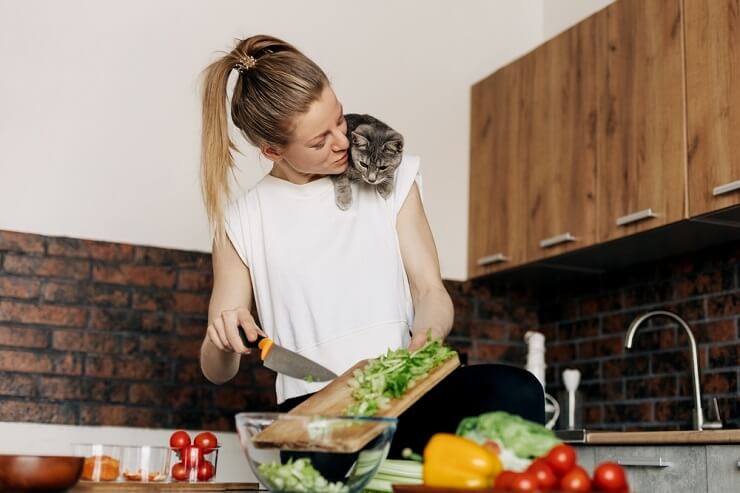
pixel 500 121
pixel 627 122
pixel 561 143
pixel 642 157
pixel 713 103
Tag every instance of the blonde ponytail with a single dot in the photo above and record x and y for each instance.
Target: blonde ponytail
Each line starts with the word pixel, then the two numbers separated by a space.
pixel 276 82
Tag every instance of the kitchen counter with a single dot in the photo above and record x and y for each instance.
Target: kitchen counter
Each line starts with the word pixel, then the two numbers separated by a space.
pixel 89 487
pixel 594 437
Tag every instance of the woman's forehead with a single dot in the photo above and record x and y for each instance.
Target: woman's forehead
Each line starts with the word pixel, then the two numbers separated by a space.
pixel 320 116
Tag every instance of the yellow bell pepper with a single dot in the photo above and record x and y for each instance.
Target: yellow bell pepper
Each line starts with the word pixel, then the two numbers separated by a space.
pixel 452 461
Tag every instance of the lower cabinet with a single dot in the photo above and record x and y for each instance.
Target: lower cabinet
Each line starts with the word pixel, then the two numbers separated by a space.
pixel 723 468
pixel 670 468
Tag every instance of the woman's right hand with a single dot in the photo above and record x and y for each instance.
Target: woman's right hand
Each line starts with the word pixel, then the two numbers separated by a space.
pixel 223 331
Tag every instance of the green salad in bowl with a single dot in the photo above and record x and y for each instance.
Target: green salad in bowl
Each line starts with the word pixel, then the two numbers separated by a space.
pixel 314 454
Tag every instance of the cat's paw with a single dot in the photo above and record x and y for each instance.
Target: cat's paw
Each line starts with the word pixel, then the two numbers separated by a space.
pixel 344 201
pixel 385 189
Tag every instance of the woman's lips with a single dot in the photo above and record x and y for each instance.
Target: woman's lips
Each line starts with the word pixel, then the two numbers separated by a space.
pixel 341 160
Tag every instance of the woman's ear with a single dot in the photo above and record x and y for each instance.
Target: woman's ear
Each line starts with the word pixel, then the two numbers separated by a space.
pixel 271 153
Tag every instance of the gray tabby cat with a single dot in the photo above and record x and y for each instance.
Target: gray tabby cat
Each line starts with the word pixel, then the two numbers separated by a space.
pixel 375 151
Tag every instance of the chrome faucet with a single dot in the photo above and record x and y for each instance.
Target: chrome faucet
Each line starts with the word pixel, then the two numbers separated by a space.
pixel 698 415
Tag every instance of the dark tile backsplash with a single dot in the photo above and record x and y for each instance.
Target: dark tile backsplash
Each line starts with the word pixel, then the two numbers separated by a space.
pixel 585 322
pixel 104 333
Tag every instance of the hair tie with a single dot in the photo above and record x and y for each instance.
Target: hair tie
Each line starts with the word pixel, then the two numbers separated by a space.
pixel 244 63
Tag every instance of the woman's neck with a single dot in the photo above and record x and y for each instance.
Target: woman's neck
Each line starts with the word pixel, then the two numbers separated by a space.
pixel 282 170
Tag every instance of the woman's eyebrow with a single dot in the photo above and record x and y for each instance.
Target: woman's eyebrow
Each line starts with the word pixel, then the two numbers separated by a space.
pixel 341 113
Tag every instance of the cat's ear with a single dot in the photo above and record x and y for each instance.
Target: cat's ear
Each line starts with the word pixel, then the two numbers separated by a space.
pixel 358 139
pixel 394 143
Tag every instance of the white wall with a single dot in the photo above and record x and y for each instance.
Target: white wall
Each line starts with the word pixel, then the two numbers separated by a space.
pixel 559 15
pixel 99 114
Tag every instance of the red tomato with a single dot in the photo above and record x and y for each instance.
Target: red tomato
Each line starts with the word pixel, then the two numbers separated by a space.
pixel 504 479
pixel 205 471
pixel 524 481
pixel 206 441
pixel 576 480
pixel 610 477
pixel 191 456
pixel 545 475
pixel 179 439
pixel 180 472
pixel 561 458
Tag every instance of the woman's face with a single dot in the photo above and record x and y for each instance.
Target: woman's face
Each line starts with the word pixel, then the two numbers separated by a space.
pixel 319 144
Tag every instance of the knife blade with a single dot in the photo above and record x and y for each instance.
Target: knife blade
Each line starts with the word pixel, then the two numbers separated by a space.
pixel 287 362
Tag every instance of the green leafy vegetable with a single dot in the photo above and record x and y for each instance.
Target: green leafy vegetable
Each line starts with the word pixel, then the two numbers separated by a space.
pixel 389 376
pixel 525 438
pixel 299 476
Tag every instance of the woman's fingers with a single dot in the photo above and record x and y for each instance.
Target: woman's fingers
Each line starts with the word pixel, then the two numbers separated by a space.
pixel 214 337
pixel 221 331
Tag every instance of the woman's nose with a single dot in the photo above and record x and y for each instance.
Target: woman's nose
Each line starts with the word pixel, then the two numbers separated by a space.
pixel 341 142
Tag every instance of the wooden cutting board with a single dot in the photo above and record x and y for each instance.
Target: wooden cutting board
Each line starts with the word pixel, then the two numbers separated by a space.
pixel 332 400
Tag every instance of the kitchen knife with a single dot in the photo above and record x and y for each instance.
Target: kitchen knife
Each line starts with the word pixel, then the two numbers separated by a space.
pixel 287 362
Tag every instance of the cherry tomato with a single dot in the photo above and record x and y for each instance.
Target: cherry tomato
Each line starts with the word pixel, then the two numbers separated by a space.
pixel 545 475
pixel 191 456
pixel 524 481
pixel 180 472
pixel 206 441
pixel 576 480
pixel 205 471
pixel 179 439
pixel 610 477
pixel 561 458
pixel 504 479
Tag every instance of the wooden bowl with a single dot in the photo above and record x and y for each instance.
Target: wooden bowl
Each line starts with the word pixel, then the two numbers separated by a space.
pixel 34 472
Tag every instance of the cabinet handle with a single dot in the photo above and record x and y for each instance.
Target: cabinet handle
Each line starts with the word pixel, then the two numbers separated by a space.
pixel 492 259
pixel 738 463
pixel 642 462
pixel 726 188
pixel 635 217
pixel 557 240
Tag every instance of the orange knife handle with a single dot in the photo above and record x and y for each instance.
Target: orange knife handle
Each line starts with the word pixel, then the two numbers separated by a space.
pixel 262 342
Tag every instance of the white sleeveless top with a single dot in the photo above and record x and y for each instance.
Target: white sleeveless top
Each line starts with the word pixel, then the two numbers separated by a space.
pixel 329 284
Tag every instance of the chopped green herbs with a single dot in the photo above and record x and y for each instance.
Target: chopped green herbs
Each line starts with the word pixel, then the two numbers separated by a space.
pixel 389 376
pixel 298 476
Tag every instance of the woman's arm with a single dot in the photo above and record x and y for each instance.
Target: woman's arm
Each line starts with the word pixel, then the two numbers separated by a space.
pixel 231 300
pixel 432 304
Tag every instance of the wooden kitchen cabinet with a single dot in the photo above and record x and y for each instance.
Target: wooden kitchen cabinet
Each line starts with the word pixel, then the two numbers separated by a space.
pixel 562 140
pixel 500 118
pixel 642 152
pixel 713 103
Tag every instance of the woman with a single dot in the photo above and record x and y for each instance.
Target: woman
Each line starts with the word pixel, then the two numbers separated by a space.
pixel 336 286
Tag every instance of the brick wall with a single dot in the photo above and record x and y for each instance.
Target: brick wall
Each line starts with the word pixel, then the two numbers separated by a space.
pixel 103 333
pixel 585 323
pixel 98 333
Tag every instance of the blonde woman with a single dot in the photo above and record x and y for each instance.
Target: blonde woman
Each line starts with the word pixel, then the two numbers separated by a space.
pixel 336 286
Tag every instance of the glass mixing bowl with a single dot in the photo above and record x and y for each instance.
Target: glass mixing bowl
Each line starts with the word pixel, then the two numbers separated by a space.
pixel 314 454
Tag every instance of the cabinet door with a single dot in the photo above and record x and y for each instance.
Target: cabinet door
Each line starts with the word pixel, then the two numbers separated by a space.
pixel 713 103
pixel 659 469
pixel 642 162
pixel 499 118
pixel 568 80
pixel 723 468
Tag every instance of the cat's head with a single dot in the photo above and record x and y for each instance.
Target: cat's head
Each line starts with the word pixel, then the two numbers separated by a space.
pixel 376 152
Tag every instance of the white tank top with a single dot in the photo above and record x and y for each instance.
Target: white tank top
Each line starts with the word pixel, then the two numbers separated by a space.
pixel 329 284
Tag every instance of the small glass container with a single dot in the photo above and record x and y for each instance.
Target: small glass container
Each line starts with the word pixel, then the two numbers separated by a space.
pixel 193 464
pixel 145 463
pixel 102 461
